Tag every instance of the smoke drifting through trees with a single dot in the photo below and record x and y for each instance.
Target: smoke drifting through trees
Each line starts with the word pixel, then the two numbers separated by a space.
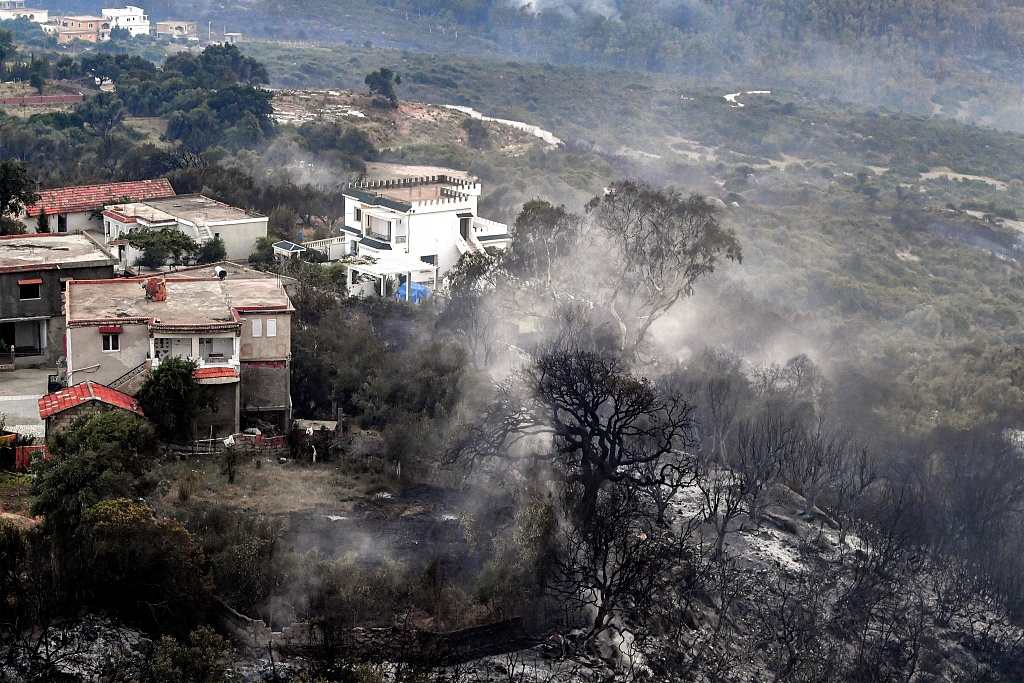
pixel 622 440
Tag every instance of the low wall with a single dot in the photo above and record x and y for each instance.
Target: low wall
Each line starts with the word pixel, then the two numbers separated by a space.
pixel 44 99
pixel 389 644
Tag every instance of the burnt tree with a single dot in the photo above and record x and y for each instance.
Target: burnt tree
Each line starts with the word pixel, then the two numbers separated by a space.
pixel 601 424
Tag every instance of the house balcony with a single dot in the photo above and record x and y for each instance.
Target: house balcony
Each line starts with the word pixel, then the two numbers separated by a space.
pixel 211 361
pixel 483 227
pixel 486 233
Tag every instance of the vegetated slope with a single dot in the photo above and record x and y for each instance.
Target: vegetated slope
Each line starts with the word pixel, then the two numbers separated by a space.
pixel 922 57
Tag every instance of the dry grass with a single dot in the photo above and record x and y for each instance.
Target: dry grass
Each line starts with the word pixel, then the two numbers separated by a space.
pixel 14 493
pixel 151 127
pixel 275 488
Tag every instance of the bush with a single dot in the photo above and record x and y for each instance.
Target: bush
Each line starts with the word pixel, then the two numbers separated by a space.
pixel 200 660
pixel 148 570
pixel 173 398
pixel 96 458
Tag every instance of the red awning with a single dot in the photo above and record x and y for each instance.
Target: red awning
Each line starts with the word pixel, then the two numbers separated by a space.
pixel 30 282
pixel 111 329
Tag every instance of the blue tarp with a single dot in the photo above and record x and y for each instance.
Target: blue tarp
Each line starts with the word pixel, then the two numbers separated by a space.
pixel 417 294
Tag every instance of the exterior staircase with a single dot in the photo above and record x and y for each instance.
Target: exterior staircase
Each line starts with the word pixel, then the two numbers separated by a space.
pixel 131 381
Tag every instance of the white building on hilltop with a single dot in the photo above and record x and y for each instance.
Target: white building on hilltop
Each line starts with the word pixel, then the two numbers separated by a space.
pixel 427 219
pixel 132 19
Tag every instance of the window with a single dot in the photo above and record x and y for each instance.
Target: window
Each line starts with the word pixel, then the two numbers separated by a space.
pixel 379 228
pixel 257 327
pixel 29 289
pixel 111 342
pixel 432 259
pixel 271 327
pixel 358 215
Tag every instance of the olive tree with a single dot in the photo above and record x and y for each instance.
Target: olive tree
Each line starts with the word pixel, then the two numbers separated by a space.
pixel 657 244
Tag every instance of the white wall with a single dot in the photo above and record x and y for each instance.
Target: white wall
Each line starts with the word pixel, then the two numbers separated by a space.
pixel 435 232
pixel 240 237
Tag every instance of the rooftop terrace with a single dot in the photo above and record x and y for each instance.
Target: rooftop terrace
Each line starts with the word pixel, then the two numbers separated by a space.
pixel 196 302
pixel 28 252
pixel 199 210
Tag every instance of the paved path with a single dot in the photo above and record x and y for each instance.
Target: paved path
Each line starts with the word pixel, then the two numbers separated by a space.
pixel 20 392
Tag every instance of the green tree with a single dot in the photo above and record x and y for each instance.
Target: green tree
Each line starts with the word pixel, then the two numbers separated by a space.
pixel 17 190
pixel 103 113
pixel 263 252
pixel 119 33
pixel 37 81
pixel 159 246
pixel 660 243
pixel 148 570
pixel 542 235
pixel 173 398
pixel 382 82
pixel 7 48
pixel 43 223
pixel 198 129
pixel 212 251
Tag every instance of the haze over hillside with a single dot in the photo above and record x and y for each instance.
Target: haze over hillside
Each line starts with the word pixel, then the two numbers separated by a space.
pixel 736 397
pixel 927 57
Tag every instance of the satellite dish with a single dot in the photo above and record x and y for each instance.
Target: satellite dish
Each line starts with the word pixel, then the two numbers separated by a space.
pixel 220 272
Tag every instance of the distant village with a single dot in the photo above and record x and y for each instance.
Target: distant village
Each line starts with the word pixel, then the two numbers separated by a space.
pixel 77 301
pixel 94 29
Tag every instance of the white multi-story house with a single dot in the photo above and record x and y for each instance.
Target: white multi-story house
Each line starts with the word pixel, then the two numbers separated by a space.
pixel 132 19
pixel 199 217
pixel 15 9
pixel 427 219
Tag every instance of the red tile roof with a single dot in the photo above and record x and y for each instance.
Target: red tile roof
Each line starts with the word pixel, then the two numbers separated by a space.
pixel 91 197
pixel 213 373
pixel 58 402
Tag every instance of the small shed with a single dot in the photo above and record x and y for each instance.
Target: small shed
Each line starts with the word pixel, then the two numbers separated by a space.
pixel 287 250
pixel 60 408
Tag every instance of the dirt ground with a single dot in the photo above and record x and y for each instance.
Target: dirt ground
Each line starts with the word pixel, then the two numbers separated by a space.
pixel 413 123
pixel 354 504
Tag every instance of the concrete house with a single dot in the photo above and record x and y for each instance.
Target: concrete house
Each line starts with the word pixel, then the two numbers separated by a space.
pixel 132 19
pixel 176 29
pixel 199 217
pixel 79 27
pixel 72 209
pixel 34 272
pixel 399 222
pixel 61 408
pixel 15 9
pixel 238 329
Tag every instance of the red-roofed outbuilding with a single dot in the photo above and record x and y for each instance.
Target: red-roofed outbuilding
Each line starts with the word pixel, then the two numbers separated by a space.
pixel 72 207
pixel 88 398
